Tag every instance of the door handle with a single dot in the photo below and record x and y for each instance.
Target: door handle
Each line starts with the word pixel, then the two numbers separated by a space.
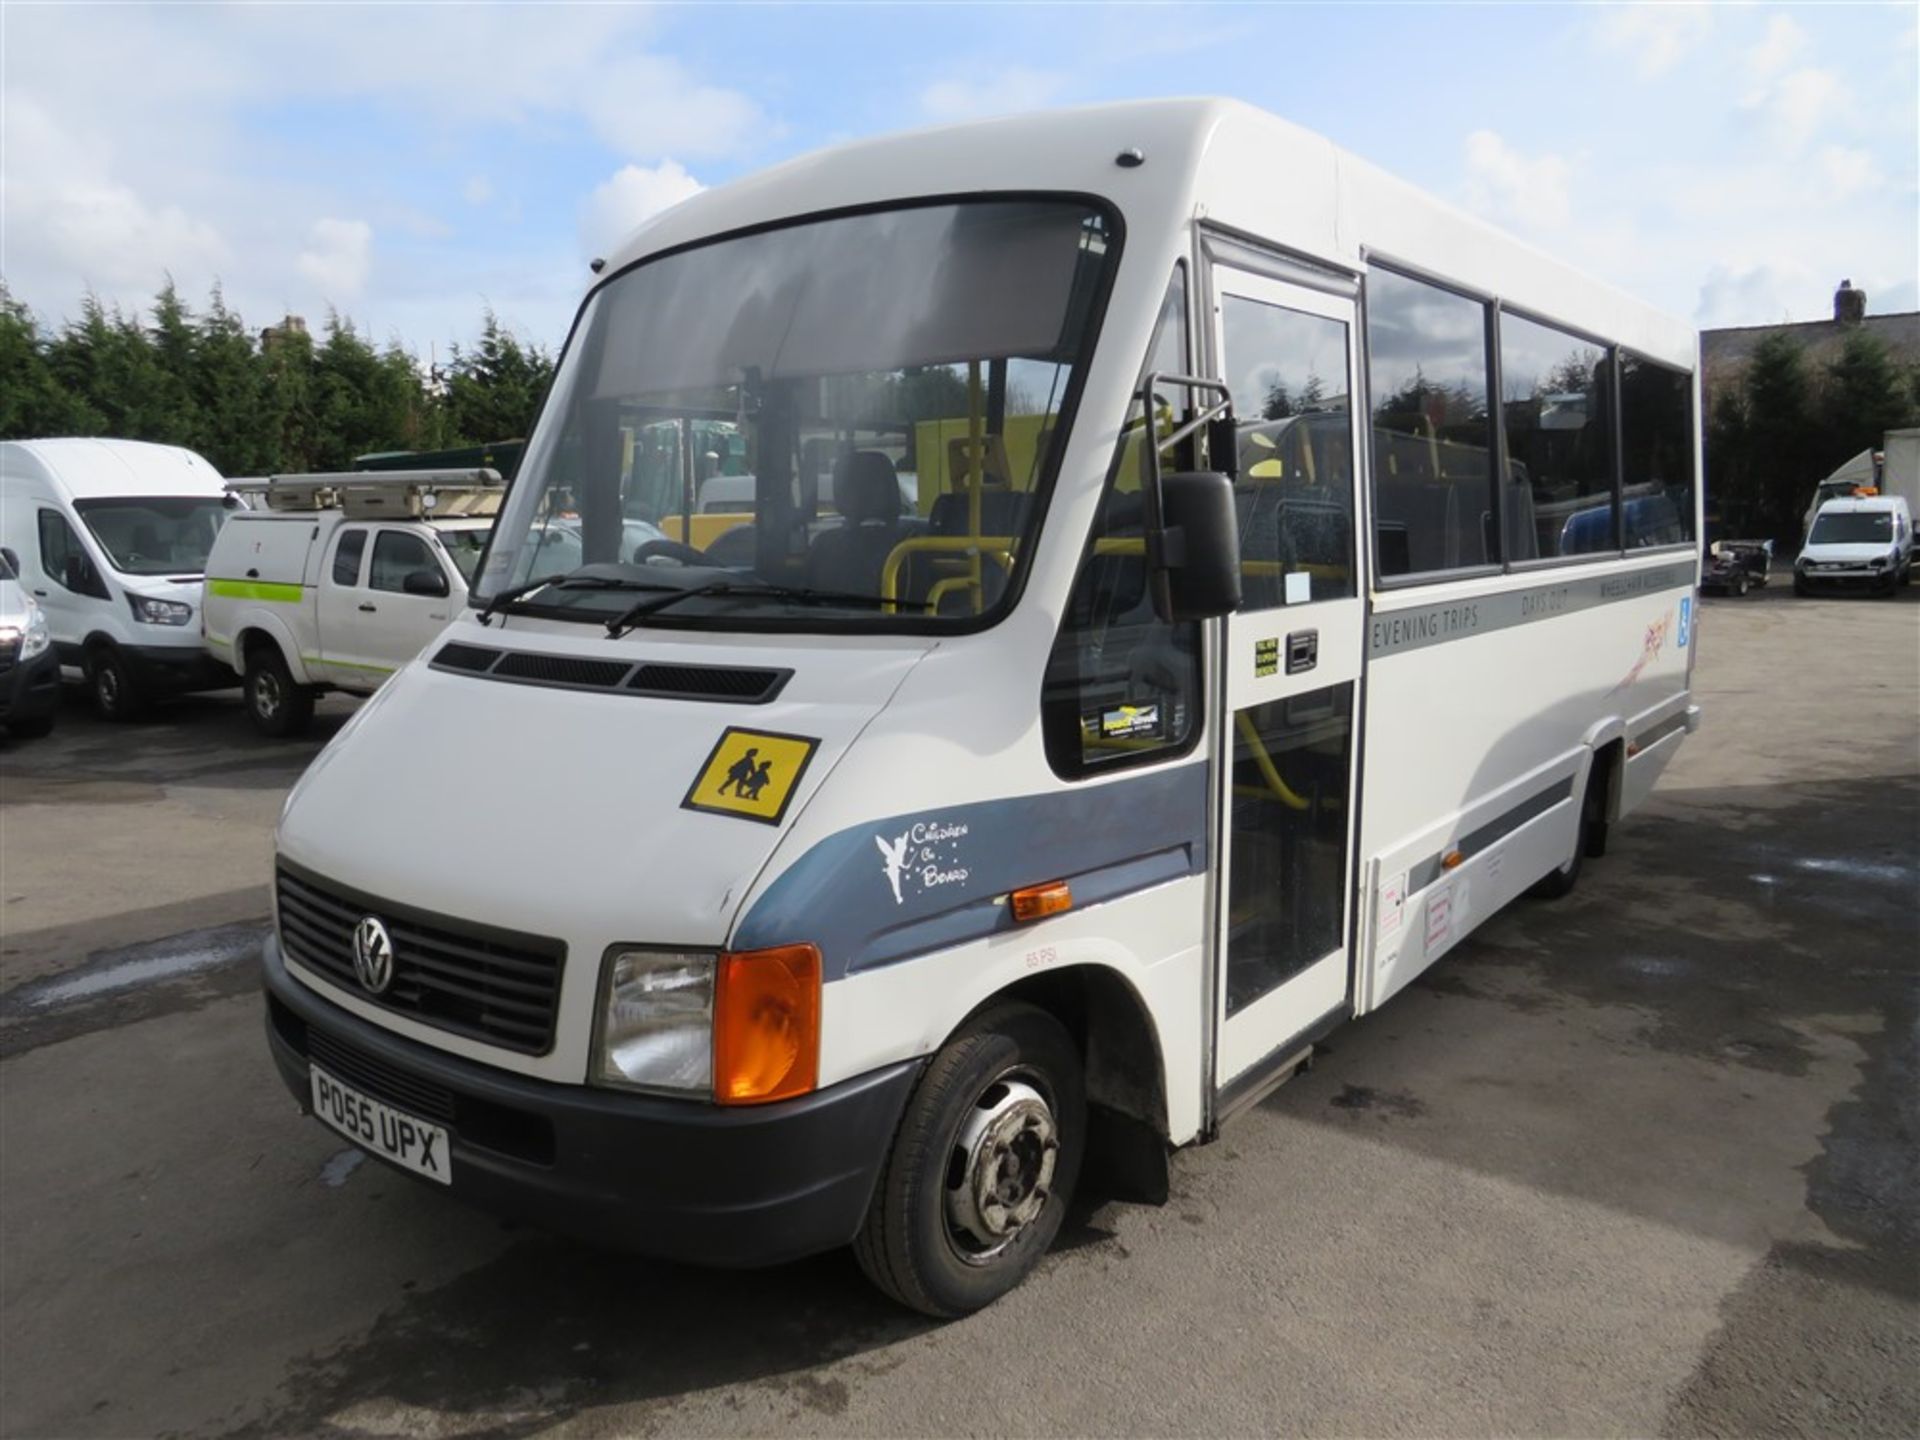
pixel 1303 651
pixel 253 574
pixel 41 593
pixel 369 608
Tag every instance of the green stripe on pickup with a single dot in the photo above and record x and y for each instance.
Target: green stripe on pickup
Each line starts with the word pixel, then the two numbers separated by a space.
pixel 256 590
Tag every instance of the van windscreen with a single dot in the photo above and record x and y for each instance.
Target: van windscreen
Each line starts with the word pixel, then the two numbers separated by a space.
pixel 845 421
pixel 1852 527
pixel 155 534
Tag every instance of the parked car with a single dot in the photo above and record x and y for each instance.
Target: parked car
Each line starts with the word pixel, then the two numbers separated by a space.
pixel 339 580
pixel 1862 542
pixel 112 538
pixel 1735 566
pixel 29 670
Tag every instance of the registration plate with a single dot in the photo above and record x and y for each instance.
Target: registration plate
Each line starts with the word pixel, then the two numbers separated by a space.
pixel 410 1143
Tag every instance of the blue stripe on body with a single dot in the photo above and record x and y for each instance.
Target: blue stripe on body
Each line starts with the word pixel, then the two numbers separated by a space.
pixel 1108 839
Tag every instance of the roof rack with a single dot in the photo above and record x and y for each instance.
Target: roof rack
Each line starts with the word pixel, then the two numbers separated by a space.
pixel 414 494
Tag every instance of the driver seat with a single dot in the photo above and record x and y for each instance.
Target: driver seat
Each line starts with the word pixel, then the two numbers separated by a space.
pixel 852 556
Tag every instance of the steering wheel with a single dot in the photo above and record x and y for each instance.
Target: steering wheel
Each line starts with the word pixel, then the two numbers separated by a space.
pixel 669 550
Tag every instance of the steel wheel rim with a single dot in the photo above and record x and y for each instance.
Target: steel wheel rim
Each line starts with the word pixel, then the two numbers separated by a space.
pixel 106 685
pixel 1000 1168
pixel 266 694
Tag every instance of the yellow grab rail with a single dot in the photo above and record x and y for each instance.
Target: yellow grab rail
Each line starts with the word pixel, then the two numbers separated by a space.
pixel 997 548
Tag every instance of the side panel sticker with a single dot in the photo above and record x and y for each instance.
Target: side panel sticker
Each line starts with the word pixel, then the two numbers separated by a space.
pixel 751 775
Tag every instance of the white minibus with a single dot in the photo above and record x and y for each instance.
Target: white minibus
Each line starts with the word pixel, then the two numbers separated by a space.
pixel 1267 614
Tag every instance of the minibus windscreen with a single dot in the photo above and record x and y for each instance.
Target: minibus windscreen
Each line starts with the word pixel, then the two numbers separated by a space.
pixel 155 534
pixel 846 421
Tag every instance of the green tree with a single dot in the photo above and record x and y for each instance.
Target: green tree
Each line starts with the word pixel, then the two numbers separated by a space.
pixel 1784 444
pixel 494 390
pixel 106 362
pixel 33 402
pixel 170 411
pixel 230 388
pixel 1865 396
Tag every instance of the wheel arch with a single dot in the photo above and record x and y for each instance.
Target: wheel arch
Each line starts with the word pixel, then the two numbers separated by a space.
pixel 1124 1065
pixel 255 629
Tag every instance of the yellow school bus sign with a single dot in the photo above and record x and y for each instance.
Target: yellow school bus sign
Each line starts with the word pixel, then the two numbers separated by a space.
pixel 751 774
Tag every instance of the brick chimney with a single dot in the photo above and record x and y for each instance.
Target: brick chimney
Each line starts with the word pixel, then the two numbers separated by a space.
pixel 1849 304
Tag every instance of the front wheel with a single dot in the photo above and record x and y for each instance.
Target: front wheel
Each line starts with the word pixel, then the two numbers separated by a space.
pixel 116 694
pixel 1740 583
pixel 275 704
pixel 1591 840
pixel 983 1167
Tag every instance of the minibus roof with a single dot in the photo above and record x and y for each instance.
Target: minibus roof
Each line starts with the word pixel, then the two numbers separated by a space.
pixel 89 469
pixel 1221 160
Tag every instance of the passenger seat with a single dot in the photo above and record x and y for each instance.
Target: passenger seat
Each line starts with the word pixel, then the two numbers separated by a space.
pixel 852 556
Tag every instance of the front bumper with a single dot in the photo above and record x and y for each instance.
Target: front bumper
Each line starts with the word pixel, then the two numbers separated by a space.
pixel 29 689
pixel 678 1179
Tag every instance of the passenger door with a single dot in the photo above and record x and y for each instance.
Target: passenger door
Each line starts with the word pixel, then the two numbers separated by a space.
pixel 336 656
pixel 399 613
pixel 1290 671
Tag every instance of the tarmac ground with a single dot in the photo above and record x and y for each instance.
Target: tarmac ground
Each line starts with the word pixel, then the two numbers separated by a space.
pixel 1644 1160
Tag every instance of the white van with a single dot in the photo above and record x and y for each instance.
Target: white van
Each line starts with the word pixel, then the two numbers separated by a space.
pixel 29 670
pixel 860 879
pixel 113 537
pixel 333 582
pixel 1864 542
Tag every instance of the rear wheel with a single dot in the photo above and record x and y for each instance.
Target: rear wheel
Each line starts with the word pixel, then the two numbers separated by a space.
pixel 275 704
pixel 1740 582
pixel 116 694
pixel 1591 840
pixel 983 1167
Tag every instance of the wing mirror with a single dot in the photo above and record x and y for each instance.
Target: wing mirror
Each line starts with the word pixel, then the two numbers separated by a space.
pixel 425 582
pixel 1199 569
pixel 1193 532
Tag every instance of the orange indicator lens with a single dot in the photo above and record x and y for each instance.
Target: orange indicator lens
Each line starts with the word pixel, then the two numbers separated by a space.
pixel 766 1025
pixel 1036 902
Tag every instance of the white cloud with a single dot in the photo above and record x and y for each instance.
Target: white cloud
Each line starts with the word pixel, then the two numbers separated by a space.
pixel 1797 106
pixel 1528 192
pixel 1756 295
pixel 478 190
pixel 997 93
pixel 338 256
pixel 633 195
pixel 1778 48
pixel 1849 171
pixel 1655 37
pixel 64 206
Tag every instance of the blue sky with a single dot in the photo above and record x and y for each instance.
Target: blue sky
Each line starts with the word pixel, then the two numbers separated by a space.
pixel 409 165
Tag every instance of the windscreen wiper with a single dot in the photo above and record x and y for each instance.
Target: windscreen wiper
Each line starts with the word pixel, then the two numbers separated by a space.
pixel 761 589
pixel 498 603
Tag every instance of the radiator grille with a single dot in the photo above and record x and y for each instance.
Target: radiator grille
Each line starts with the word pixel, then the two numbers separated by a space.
pixel 502 989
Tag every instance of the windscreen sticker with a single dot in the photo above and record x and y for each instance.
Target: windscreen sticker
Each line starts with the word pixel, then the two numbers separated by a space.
pixel 751 775
pixel 1266 657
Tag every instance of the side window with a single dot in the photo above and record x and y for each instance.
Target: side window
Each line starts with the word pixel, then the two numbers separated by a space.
pixel 1656 453
pixel 1556 405
pixel 397 555
pixel 1287 371
pixel 347 551
pixel 64 559
pixel 1122 686
pixel 1435 504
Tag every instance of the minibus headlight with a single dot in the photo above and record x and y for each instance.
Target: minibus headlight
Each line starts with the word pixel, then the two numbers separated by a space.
pixel 656 1021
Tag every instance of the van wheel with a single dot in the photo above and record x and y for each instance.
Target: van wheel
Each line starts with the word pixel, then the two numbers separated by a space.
pixel 1800 587
pixel 1591 840
pixel 983 1167
pixel 275 704
pixel 116 694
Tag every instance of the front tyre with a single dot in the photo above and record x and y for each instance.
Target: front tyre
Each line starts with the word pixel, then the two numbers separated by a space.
pixel 117 695
pixel 983 1167
pixel 275 704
